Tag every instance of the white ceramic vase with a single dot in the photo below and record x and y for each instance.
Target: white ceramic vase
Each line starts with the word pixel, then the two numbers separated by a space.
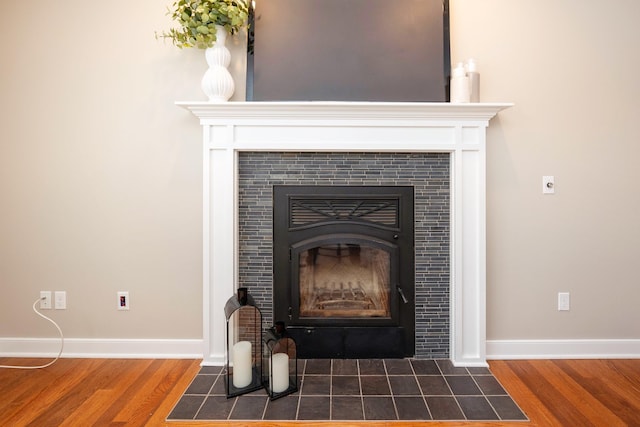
pixel 217 82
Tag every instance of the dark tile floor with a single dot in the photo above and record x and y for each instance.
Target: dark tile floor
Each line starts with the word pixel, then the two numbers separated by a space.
pixel 365 389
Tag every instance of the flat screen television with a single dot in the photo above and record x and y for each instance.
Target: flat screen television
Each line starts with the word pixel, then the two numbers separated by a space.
pixel 349 50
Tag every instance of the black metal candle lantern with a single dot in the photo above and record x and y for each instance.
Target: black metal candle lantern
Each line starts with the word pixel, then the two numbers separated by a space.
pixel 243 347
pixel 280 372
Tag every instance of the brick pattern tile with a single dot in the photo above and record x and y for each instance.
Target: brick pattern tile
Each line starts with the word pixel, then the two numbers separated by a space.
pixel 428 173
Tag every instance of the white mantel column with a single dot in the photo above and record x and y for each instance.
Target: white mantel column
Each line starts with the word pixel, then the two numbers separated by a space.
pixel 468 290
pixel 220 237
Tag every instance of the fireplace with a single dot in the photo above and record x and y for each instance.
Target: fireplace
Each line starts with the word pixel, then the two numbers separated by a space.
pixel 344 269
pixel 429 177
pixel 458 131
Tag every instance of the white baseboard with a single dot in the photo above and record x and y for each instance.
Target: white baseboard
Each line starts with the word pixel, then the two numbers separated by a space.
pixel 103 348
pixel 193 348
pixel 563 349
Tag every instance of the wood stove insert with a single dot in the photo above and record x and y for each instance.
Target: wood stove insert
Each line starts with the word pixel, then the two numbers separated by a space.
pixel 344 269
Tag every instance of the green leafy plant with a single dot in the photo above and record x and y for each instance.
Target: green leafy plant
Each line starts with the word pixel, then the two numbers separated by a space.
pixel 197 21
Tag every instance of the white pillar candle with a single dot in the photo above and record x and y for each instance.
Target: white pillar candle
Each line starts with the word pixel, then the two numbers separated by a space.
pixel 279 377
pixel 242 374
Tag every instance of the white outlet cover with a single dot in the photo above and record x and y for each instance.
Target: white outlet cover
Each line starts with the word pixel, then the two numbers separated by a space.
pixel 60 300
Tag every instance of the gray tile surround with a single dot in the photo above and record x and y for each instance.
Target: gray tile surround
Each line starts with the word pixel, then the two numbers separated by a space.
pixel 428 173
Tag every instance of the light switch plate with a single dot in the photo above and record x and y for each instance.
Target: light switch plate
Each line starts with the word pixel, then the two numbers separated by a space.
pixel 123 300
pixel 564 301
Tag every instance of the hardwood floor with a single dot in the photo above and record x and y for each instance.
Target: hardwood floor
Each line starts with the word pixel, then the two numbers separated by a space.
pixel 119 392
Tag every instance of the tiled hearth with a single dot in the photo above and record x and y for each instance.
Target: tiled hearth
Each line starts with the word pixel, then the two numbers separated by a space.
pixel 350 389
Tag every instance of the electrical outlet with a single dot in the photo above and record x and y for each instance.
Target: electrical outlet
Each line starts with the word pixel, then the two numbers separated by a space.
pixel 123 300
pixel 60 300
pixel 45 300
pixel 564 301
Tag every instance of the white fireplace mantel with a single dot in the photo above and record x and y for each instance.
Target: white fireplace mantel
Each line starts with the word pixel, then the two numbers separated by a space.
pixel 459 129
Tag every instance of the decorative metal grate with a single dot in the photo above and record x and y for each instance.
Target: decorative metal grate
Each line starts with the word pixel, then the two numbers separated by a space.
pixel 308 211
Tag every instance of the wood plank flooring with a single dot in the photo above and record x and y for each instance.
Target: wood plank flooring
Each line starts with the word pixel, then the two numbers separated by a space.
pixel 122 392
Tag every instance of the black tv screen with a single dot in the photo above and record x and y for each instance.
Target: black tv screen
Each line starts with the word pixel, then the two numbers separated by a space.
pixel 348 50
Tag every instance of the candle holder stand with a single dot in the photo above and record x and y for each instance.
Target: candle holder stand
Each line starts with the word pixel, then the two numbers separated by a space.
pixel 280 373
pixel 243 356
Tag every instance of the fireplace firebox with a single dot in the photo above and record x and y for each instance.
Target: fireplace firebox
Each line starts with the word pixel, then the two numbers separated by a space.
pixel 344 269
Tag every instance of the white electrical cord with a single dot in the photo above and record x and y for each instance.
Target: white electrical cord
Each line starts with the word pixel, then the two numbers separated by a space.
pixel 61 343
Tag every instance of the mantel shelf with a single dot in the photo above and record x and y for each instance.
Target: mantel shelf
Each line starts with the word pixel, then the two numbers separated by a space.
pixel 343 111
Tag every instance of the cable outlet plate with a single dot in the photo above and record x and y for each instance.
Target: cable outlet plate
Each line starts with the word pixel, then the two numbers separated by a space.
pixel 548 185
pixel 123 300
pixel 45 300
